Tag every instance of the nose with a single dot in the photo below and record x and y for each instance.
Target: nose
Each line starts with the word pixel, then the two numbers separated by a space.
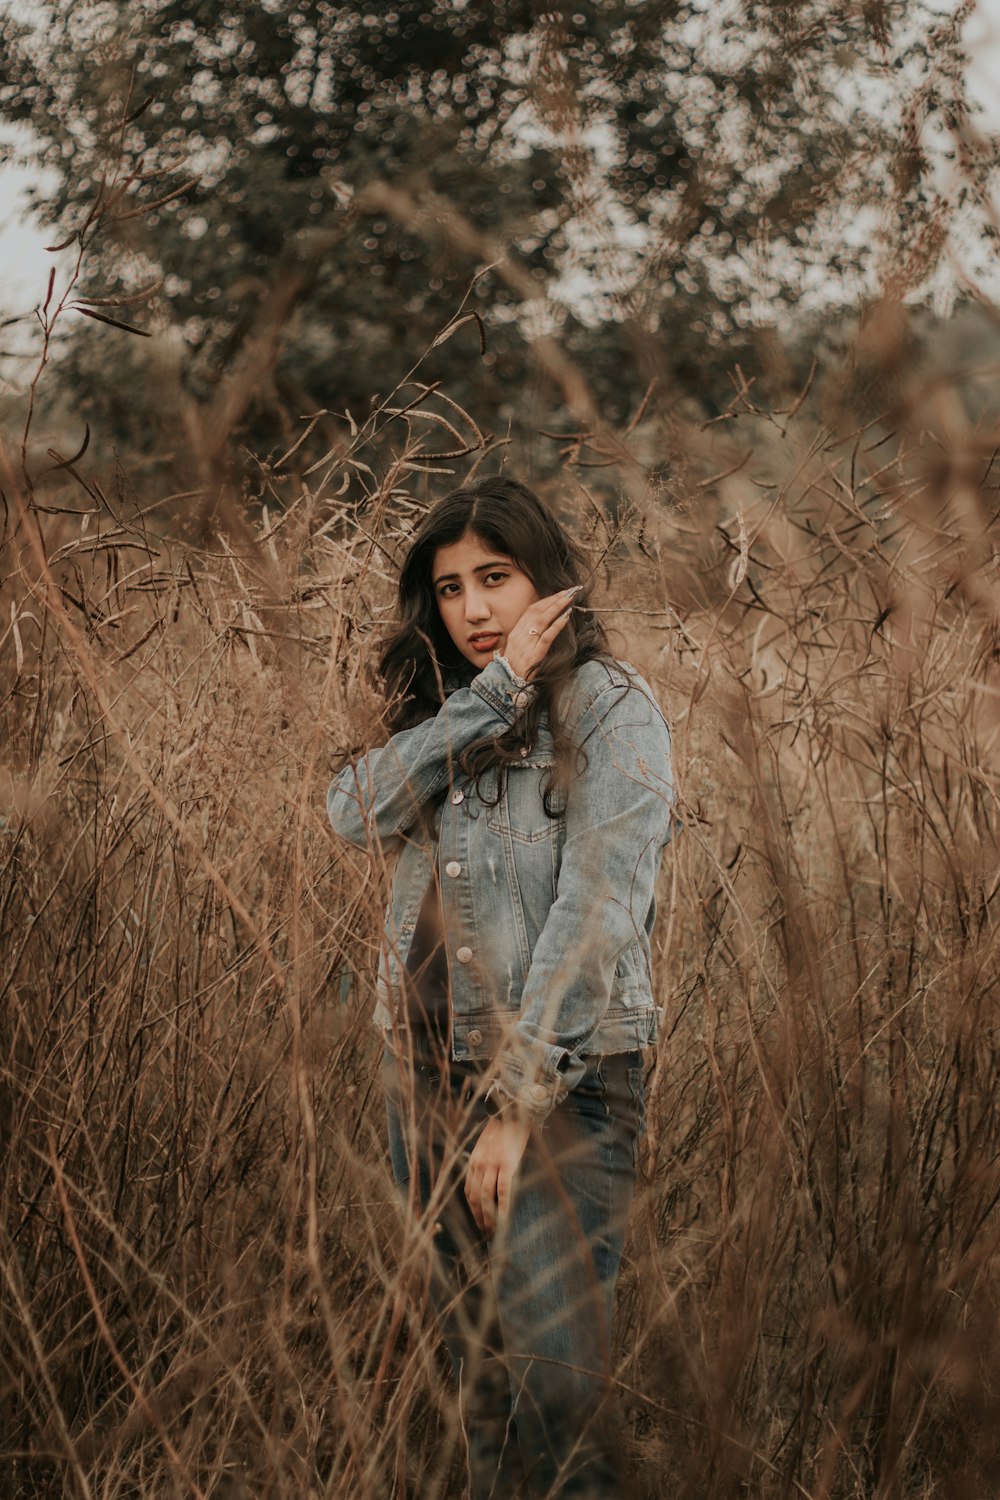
pixel 477 606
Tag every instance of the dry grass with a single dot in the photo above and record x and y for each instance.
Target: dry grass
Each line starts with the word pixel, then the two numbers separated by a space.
pixel 204 1289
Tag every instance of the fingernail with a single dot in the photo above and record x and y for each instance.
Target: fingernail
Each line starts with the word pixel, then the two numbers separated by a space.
pixel 575 589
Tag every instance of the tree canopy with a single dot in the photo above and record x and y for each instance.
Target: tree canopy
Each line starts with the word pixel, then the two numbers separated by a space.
pixel 620 191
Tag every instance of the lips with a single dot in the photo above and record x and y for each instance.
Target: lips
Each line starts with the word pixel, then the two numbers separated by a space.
pixel 487 641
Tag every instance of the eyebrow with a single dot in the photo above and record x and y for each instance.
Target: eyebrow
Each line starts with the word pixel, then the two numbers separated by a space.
pixel 486 567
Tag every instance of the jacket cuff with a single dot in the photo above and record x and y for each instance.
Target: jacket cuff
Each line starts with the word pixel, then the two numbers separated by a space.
pixel 534 1081
pixel 496 686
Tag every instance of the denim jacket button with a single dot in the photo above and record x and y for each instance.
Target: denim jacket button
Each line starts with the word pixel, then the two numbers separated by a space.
pixel 538 1091
pixel 453 868
pixel 457 796
pixel 474 1038
pixel 464 955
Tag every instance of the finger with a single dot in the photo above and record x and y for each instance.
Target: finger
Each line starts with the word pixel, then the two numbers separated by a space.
pixel 489 1204
pixel 545 634
pixel 552 630
pixel 503 1196
pixel 537 628
pixel 554 604
pixel 480 1189
pixel 541 614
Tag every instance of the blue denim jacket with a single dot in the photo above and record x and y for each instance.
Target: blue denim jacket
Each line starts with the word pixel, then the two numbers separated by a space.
pixel 547 920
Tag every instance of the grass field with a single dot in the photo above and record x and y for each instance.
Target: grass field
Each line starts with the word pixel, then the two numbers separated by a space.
pixel 205 1289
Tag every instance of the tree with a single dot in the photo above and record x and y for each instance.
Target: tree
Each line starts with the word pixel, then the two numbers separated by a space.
pixel 652 179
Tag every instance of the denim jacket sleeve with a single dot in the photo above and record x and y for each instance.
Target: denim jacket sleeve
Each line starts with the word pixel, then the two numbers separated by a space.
pixel 372 803
pixel 618 818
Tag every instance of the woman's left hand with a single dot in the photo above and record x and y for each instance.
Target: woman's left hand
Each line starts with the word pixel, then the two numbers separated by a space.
pixel 495 1159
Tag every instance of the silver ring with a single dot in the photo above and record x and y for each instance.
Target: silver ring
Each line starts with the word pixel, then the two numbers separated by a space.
pixel 532 630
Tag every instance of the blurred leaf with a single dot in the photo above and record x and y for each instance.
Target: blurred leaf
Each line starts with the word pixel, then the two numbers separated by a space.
pixel 65 463
pixel 149 208
pixel 124 299
pixel 453 328
pixel 135 115
pixel 88 312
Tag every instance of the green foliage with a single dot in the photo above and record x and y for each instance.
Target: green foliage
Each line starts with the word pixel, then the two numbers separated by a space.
pixel 659 175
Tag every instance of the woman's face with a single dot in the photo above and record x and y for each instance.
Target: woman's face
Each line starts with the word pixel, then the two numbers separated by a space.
pixel 481 594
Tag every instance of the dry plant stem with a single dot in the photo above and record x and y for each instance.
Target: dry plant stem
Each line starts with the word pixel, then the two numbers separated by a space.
pixel 357 1432
pixel 810 1294
pixel 52 606
pixel 105 1331
pixel 58 1416
pixel 435 219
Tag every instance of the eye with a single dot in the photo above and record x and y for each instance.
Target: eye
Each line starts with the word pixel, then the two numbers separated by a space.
pixel 446 590
pixel 498 577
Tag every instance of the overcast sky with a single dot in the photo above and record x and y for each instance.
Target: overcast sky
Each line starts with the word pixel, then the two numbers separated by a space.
pixel 24 263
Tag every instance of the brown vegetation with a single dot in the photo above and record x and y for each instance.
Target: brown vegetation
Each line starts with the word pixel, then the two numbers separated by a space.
pixel 204 1285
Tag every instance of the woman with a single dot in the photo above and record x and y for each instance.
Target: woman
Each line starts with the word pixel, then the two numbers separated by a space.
pixel 525 796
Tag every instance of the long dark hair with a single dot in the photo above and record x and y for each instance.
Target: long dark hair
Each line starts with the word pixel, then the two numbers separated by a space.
pixel 419 658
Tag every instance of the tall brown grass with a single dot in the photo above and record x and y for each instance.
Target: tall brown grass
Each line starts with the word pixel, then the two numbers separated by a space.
pixel 205 1289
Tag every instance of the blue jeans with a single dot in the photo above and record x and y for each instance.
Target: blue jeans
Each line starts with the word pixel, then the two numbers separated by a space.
pixel 526 1314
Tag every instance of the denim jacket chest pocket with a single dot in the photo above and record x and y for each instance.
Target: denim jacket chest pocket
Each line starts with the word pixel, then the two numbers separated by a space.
pixel 521 813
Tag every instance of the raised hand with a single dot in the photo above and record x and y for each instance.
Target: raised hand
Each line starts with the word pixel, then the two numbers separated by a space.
pixel 537 628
